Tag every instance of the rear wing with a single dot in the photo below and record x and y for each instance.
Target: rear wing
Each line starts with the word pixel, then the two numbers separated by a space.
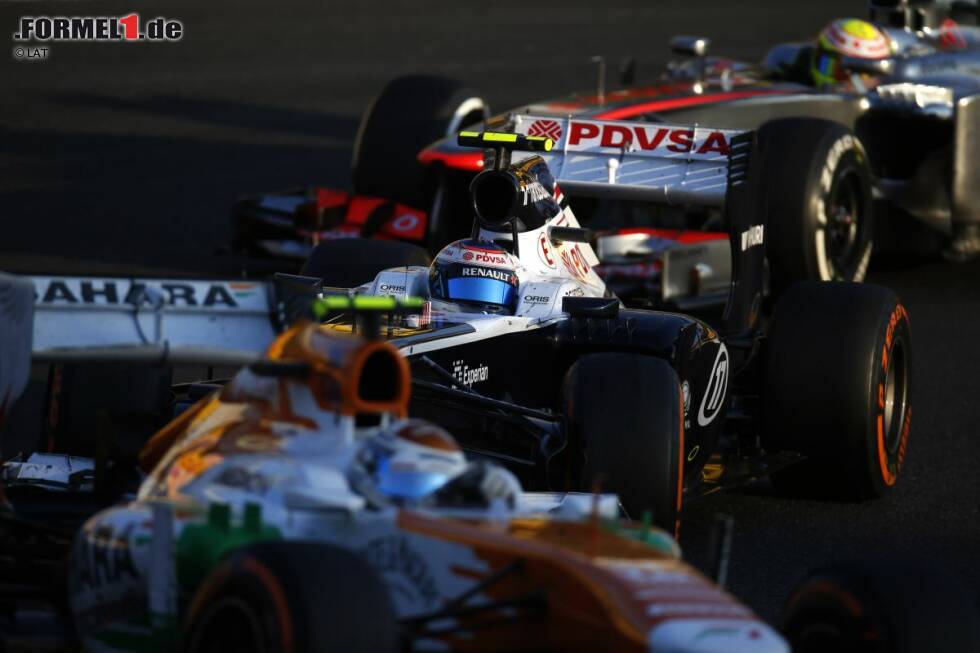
pixel 150 320
pixel 657 162
pixel 642 160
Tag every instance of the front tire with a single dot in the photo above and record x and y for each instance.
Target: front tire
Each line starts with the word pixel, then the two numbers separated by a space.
pixel 282 597
pixel 624 413
pixel 819 215
pixel 881 606
pixel 837 389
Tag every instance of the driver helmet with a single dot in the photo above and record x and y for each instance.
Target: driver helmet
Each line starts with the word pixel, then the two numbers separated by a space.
pixel 476 274
pixel 846 37
pixel 410 460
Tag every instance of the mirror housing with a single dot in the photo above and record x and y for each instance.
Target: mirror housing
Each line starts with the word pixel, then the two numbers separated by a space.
pixel 690 46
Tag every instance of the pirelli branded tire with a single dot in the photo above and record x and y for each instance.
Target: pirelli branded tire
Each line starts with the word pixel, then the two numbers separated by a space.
pixel 350 262
pixel 282 597
pixel 881 606
pixel 624 413
pixel 409 114
pixel 837 388
pixel 819 215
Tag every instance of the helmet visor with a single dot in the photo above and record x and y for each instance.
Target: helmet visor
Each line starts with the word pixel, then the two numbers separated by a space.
pixel 408 483
pixel 828 68
pixel 484 290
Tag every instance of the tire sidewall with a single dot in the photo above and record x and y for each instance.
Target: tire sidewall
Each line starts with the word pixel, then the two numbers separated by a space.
pixel 406 116
pixel 249 581
pixel 307 596
pixel 625 464
pixel 844 154
pixel 893 350
pixel 830 348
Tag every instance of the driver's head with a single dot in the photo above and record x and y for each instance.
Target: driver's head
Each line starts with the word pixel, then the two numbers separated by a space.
pixel 845 37
pixel 476 274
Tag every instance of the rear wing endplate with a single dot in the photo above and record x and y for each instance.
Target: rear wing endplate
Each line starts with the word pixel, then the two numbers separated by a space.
pixel 642 160
pixel 148 320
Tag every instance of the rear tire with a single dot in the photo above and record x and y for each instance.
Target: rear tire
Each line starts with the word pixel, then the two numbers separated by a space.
pixel 625 414
pixel 278 597
pixel 409 114
pixel 819 216
pixel 880 607
pixel 837 389
pixel 350 262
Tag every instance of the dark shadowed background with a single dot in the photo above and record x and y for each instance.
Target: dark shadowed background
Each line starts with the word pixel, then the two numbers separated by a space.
pixel 126 158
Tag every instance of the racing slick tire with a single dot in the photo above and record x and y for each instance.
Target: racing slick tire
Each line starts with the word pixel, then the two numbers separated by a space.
pixel 291 596
pixel 624 413
pixel 350 262
pixel 837 389
pixel 410 113
pixel 881 606
pixel 819 215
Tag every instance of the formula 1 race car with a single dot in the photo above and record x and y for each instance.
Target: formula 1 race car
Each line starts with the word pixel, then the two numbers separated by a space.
pixel 840 181
pixel 295 508
pixel 530 360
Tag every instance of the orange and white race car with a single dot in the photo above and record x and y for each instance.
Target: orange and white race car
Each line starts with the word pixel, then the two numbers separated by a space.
pixel 298 508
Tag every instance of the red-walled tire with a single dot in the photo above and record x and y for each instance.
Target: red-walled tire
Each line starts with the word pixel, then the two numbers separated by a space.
pixel 291 597
pixel 881 606
pixel 837 388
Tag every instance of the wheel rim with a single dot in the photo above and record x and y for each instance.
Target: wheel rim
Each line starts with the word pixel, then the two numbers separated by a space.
pixel 844 221
pixel 230 624
pixel 896 397
pixel 819 636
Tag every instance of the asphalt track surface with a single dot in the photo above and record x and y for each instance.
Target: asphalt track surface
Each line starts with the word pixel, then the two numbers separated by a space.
pixel 125 158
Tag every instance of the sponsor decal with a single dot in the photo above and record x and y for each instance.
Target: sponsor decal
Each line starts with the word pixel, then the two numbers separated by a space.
pixel 753 236
pixel 545 252
pixel 537 299
pixel 693 453
pixel 406 222
pixel 583 135
pixel 715 392
pixel 112 292
pixel 101 557
pixel 494 259
pixel 480 255
pixel 686 393
pixel 547 128
pixel 469 375
pixel 534 192
pixel 575 292
pixel 243 479
pixel 488 273
pixel 404 568
pixel 891 465
pixel 574 261
pixel 390 288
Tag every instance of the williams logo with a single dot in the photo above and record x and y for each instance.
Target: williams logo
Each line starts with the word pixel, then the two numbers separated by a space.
pixel 714 394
